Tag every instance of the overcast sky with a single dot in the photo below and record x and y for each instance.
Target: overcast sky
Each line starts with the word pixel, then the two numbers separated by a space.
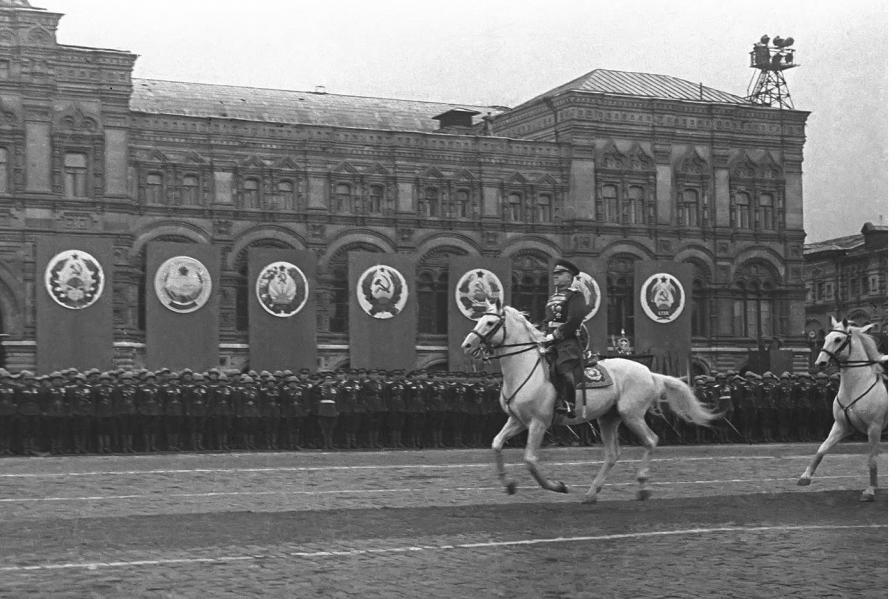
pixel 485 52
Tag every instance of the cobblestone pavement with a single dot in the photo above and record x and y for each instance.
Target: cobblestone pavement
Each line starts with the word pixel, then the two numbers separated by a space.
pixel 724 521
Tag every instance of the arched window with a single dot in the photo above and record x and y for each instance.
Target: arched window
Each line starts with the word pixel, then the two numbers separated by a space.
pixel 377 196
pixel 432 297
pixel 688 209
pixel 621 295
pixel 609 195
pixel 530 284
pixel 515 208
pixel 743 218
pixel 75 166
pixel 4 171
pixel 154 191
pixel 544 212
pixel 251 193
pixel 766 212
pixel 634 206
pixel 757 292
pixel 189 191
pixel 343 197
pixel 335 283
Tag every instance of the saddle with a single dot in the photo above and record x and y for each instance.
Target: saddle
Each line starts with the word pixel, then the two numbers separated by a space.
pixel 594 376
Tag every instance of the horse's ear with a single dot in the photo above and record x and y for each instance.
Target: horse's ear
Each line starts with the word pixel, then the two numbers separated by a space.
pixel 867 327
pixel 833 322
pixel 497 304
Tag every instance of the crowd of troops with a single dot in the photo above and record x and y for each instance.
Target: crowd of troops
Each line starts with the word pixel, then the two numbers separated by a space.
pixel 71 412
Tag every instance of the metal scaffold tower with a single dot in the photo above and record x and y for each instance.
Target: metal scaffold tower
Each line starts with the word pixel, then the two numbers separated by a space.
pixel 768 86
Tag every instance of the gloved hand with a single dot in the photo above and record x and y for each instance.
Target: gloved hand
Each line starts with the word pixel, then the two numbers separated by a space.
pixel 549 338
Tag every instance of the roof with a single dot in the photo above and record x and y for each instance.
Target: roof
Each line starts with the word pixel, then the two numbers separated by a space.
pixel 645 85
pixel 205 100
pixel 850 242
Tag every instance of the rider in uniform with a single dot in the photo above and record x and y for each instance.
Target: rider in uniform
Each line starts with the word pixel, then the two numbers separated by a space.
pixel 564 313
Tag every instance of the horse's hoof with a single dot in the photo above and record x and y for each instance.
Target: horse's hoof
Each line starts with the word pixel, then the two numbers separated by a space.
pixel 561 487
pixel 804 482
pixel 867 497
pixel 643 494
pixel 510 488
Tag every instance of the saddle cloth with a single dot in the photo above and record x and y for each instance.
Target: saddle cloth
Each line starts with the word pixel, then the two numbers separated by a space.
pixel 595 377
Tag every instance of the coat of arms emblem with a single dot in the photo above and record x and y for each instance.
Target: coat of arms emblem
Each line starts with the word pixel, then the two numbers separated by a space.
pixel 475 290
pixel 382 291
pixel 662 297
pixel 183 284
pixel 589 288
pixel 282 289
pixel 74 279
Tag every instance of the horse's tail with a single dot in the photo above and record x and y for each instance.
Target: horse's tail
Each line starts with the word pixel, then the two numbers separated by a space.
pixel 682 400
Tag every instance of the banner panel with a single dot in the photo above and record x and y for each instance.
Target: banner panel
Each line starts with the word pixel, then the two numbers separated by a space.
pixel 182 289
pixel 73 285
pixel 382 310
pixel 282 309
pixel 663 314
pixel 472 280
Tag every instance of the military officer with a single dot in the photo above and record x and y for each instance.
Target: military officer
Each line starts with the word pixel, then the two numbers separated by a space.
pixel 351 412
pixel 372 396
pixel 28 411
pixel 328 410
pixel 150 409
pixel 396 410
pixel 126 410
pixel 292 402
pixel 220 401
pixel 565 311
pixel 173 409
pixel 80 397
pixel 415 399
pixel 784 407
pixel 270 408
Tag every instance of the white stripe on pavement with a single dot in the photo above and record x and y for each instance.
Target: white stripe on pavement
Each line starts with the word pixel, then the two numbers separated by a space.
pixel 418 548
pixel 400 490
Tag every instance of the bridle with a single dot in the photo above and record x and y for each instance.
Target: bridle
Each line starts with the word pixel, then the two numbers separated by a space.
pixel 487 345
pixel 846 343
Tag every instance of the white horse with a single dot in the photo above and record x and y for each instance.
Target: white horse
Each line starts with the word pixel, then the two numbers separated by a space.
pixel 861 402
pixel 527 396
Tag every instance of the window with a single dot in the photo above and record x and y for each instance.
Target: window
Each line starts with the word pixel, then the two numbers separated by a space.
pixel 154 188
pixel 432 294
pixel 462 207
pixel 514 208
pixel 283 199
pixel 742 217
pixel 250 193
pixel 634 206
pixel 530 293
pixel 431 202
pixel 610 197
pixel 189 191
pixel 766 212
pixel 4 171
pixel 753 314
pixel 544 211
pixel 343 197
pixel 688 209
pixel 621 296
pixel 75 166
pixel 377 197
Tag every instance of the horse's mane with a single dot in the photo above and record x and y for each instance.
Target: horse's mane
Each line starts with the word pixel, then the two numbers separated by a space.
pixel 867 342
pixel 534 333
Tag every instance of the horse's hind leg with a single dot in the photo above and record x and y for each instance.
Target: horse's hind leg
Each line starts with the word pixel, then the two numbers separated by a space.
pixel 609 434
pixel 838 432
pixel 648 439
pixel 537 429
pixel 510 428
pixel 874 438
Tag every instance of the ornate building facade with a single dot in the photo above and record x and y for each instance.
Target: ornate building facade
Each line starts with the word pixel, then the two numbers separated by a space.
pixel 846 277
pixel 616 166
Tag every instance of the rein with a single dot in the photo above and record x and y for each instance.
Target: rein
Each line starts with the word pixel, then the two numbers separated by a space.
pixel 490 347
pixel 853 402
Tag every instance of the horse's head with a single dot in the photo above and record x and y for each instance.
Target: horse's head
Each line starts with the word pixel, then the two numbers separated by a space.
pixel 487 332
pixel 838 342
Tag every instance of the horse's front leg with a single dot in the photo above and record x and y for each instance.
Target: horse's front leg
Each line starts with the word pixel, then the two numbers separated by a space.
pixel 838 432
pixel 511 427
pixel 537 429
pixel 874 432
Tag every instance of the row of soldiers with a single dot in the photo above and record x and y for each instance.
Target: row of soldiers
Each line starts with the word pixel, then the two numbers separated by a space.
pixel 126 411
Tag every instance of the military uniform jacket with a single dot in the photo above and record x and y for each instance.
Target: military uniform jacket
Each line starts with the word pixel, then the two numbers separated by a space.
pixel 349 398
pixel 565 312
pixel 7 400
pixel 293 402
pixel 221 399
pixel 327 405
pixel 81 399
pixel 28 403
pixel 373 396
pixel 270 402
pixel 104 401
pixel 395 397
pixel 171 400
pixel 415 397
pixel 126 400
pixel 148 400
